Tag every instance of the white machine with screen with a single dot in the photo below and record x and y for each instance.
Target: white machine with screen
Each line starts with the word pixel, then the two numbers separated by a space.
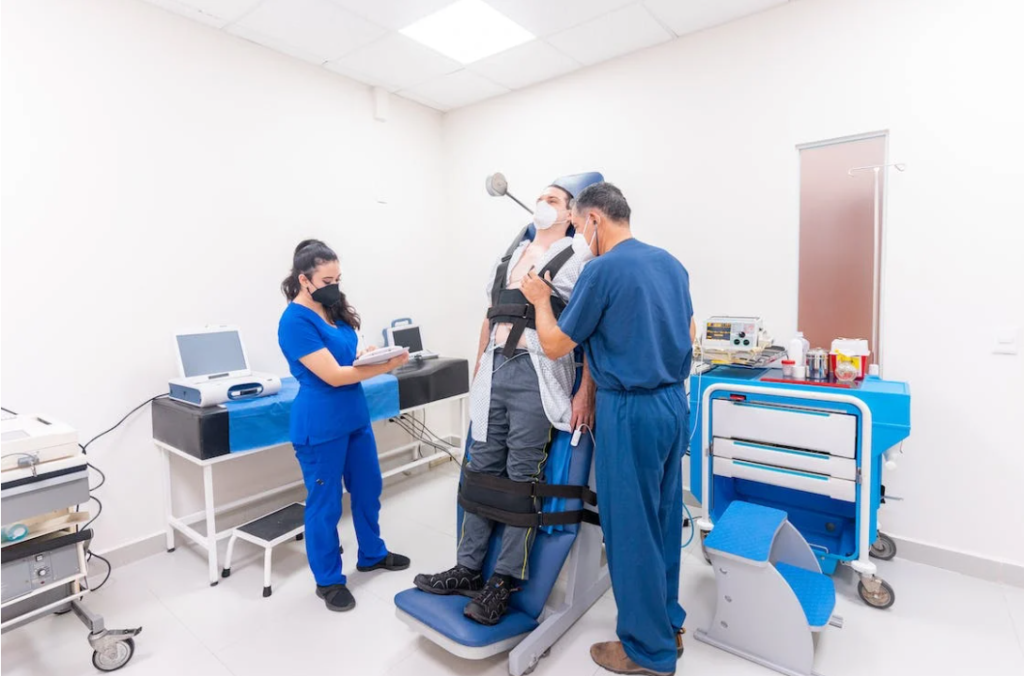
pixel 408 336
pixel 215 369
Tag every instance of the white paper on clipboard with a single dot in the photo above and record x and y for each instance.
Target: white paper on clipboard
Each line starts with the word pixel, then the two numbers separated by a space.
pixel 380 355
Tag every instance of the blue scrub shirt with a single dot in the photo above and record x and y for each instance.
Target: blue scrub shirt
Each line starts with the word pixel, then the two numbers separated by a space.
pixel 320 412
pixel 631 311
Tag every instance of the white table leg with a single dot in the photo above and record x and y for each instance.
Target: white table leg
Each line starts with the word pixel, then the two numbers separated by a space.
pixel 165 469
pixel 211 526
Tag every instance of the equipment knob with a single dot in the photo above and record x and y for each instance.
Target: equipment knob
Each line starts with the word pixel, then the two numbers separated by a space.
pixel 43 572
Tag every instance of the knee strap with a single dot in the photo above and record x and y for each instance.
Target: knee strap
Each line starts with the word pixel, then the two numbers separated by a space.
pixel 516 503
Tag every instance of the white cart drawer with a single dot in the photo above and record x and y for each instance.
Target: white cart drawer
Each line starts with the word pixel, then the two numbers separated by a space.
pixel 787 458
pixel 838 489
pixel 811 429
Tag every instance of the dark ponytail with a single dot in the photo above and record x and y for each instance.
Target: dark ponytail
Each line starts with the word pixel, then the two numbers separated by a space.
pixel 309 254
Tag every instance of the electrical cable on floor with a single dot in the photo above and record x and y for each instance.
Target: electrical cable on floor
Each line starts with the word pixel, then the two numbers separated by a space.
pixel 92 555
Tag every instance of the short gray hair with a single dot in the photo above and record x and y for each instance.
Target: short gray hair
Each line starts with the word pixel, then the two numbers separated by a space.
pixel 606 198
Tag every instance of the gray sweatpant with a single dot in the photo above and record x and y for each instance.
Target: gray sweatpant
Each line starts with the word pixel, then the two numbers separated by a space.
pixel 516 447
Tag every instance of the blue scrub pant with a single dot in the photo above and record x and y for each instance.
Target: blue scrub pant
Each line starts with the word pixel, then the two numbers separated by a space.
pixel 354 459
pixel 641 437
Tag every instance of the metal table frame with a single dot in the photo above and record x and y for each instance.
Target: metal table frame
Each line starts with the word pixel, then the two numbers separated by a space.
pixel 183 524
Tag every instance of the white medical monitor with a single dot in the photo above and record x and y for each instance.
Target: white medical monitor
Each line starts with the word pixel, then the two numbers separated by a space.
pixel 213 352
pixel 407 336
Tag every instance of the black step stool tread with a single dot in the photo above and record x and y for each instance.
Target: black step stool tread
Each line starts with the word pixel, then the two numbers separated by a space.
pixel 276 524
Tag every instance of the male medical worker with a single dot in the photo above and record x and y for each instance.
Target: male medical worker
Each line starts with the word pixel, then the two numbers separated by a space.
pixel 518 397
pixel 631 311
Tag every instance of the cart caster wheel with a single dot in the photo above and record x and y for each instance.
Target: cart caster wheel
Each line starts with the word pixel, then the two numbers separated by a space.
pixel 114 657
pixel 226 572
pixel 703 549
pixel 884 548
pixel 267 591
pixel 62 611
pixel 299 537
pixel 882 599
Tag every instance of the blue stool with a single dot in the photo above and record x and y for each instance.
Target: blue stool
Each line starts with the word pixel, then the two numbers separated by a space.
pixel 772 598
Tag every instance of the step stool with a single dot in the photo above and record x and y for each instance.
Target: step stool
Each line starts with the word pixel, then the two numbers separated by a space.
pixel 772 598
pixel 268 532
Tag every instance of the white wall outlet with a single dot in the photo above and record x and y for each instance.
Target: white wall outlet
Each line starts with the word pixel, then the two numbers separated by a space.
pixel 1007 341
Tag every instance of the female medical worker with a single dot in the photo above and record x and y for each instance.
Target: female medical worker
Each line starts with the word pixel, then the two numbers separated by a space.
pixel 330 421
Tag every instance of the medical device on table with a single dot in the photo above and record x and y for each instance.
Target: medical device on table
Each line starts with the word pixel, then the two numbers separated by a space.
pixel 739 341
pixel 533 624
pixel 403 333
pixel 44 476
pixel 214 369
pixel 796 468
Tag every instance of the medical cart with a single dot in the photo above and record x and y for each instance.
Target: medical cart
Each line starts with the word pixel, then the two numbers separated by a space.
pixel 815 451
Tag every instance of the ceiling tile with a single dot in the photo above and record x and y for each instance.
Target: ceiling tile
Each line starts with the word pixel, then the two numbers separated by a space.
pixel 457 89
pixel 524 65
pixel 544 17
pixel 316 27
pixel 694 15
pixel 276 45
pixel 395 62
pixel 620 32
pixel 394 14
pixel 217 13
pixel 412 96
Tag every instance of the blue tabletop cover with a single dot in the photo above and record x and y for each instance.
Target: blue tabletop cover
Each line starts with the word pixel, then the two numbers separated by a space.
pixel 263 421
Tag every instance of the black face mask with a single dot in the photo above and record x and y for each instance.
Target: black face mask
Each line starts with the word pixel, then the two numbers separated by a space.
pixel 327 296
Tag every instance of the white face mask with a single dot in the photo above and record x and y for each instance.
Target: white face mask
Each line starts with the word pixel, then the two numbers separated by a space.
pixel 581 246
pixel 544 215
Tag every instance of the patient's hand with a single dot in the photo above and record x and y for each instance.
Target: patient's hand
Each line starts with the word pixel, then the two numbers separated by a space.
pixel 583 408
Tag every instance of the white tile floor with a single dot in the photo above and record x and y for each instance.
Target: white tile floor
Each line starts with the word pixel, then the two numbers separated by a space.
pixel 942 623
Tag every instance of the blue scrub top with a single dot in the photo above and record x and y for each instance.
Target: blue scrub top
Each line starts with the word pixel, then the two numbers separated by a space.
pixel 631 311
pixel 320 412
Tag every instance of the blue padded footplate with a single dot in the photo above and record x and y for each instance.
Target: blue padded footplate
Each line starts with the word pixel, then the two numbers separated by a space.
pixel 816 592
pixel 746 531
pixel 444 615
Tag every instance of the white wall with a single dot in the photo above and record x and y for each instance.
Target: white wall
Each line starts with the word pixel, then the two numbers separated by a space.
pixel 157 174
pixel 701 134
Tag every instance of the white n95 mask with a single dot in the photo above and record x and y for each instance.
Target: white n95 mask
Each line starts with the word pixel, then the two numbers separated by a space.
pixel 581 247
pixel 544 216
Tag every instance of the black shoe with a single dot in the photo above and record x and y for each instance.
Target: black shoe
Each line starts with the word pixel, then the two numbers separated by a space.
pixel 458 580
pixel 389 562
pixel 337 597
pixel 491 604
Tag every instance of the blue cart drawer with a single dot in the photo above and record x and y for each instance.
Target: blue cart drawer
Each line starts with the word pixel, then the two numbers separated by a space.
pixel 837 489
pixel 807 428
pixel 788 458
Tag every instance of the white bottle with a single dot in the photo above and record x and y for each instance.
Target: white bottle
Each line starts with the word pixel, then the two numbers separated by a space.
pixel 807 343
pixel 797 350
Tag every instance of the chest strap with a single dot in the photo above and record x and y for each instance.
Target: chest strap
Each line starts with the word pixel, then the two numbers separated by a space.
pixel 509 306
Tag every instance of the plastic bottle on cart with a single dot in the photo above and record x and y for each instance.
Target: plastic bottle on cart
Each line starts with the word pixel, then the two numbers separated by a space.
pixel 798 349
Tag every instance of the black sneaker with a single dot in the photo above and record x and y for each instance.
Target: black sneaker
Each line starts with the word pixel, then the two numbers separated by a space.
pixel 491 604
pixel 458 580
pixel 337 597
pixel 390 562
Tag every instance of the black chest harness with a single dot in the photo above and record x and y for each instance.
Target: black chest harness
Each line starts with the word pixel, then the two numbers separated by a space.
pixel 496 497
pixel 509 306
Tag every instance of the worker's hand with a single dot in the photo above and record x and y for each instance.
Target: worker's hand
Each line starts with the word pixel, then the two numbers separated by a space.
pixel 535 289
pixel 395 362
pixel 369 348
pixel 583 408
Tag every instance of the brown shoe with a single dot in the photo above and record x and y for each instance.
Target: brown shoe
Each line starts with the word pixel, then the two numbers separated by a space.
pixel 612 656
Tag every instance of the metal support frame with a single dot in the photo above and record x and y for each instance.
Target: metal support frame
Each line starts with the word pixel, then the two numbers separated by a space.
pixel 862 564
pixel 209 540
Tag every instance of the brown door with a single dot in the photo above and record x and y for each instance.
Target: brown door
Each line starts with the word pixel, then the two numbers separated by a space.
pixel 837 240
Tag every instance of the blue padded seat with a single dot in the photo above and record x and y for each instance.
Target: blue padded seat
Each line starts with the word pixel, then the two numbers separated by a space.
pixel 550 550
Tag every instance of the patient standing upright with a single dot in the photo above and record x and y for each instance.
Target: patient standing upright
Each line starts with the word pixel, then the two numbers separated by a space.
pixel 518 396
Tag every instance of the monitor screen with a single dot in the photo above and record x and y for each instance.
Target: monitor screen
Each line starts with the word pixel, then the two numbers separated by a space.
pixel 204 354
pixel 409 337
